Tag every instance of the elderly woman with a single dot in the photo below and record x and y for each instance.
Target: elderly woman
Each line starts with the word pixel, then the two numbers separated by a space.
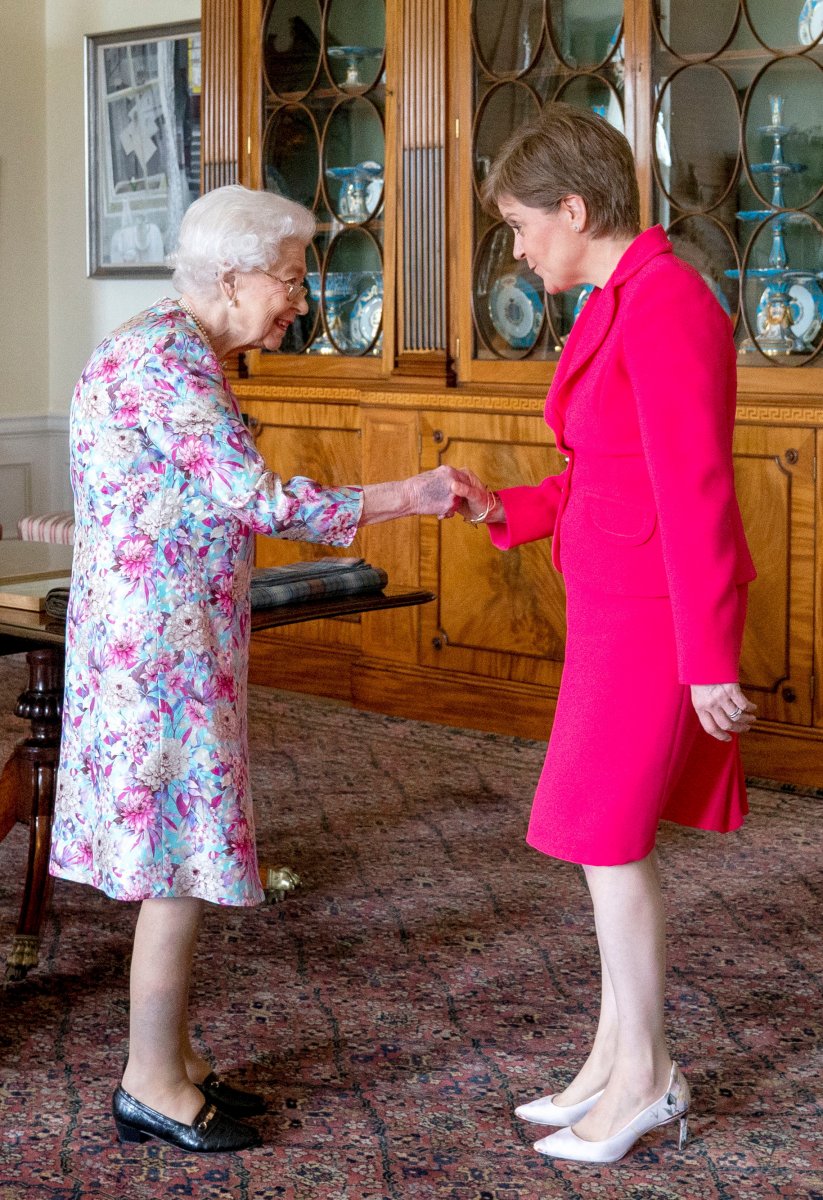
pixel 153 800
pixel 648 535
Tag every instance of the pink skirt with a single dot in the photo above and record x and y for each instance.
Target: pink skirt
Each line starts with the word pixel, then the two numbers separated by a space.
pixel 626 747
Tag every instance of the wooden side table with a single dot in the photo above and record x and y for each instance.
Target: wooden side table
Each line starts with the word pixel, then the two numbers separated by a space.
pixel 27 788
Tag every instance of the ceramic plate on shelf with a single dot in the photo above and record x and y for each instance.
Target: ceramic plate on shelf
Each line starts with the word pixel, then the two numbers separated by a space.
pixel 516 311
pixel 580 303
pixel 374 191
pixel 805 306
pixel 810 22
pixel 366 312
pixel 807 310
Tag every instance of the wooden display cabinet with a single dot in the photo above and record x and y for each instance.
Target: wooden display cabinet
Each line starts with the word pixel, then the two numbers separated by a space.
pixel 453 367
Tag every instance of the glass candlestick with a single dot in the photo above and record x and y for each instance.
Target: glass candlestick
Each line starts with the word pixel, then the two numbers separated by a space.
pixel 353 206
pixel 776 324
pixel 354 56
pixel 337 288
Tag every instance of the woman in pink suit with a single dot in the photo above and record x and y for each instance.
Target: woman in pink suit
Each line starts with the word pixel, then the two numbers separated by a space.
pixel 647 532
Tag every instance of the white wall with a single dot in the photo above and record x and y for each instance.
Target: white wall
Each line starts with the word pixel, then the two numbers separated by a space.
pixel 52 315
pixel 81 310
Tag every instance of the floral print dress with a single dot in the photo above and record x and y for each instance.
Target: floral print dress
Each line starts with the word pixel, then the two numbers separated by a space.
pixel 153 791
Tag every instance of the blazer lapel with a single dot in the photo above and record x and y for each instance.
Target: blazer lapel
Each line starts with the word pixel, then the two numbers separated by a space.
pixel 587 334
pixel 595 321
pixel 585 339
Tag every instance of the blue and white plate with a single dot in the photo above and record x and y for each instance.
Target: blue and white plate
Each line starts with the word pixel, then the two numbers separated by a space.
pixel 810 22
pixel 806 307
pixel 807 310
pixel 366 312
pixel 580 303
pixel 516 311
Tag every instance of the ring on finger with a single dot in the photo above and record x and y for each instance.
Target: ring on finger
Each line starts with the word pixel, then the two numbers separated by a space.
pixel 736 715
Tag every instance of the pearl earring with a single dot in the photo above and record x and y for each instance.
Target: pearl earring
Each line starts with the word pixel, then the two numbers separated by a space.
pixel 232 303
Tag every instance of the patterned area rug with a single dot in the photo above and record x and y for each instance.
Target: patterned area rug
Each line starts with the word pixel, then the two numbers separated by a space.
pixel 433 972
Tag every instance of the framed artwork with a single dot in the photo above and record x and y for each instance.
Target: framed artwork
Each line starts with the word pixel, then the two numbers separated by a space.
pixel 143 89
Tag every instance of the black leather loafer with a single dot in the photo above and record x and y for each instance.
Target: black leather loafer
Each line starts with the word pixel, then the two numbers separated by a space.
pixel 231 1100
pixel 211 1132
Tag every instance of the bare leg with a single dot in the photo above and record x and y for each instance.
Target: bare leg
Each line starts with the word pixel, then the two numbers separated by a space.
pixel 630 923
pixel 594 1074
pixel 156 1072
pixel 197 1067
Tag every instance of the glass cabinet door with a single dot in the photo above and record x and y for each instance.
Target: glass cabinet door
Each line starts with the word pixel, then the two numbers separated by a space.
pixel 737 162
pixel 522 55
pixel 730 159
pixel 324 145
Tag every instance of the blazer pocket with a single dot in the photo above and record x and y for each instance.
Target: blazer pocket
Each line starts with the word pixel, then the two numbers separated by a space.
pixel 627 524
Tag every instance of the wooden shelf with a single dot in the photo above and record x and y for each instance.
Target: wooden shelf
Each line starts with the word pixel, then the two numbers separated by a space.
pixel 754 56
pixel 275 100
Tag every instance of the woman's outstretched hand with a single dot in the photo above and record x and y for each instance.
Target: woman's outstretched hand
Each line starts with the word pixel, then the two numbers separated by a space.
pixel 437 493
pixel 722 709
pixel 478 503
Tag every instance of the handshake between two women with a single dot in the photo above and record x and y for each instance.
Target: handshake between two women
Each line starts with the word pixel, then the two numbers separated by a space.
pixel 444 492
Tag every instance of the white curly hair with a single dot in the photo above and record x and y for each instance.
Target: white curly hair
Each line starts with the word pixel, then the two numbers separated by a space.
pixel 235 229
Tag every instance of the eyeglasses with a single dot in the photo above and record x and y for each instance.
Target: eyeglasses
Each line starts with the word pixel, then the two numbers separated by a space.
pixel 294 291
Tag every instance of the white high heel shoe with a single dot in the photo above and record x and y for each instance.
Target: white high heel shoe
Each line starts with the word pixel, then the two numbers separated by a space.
pixel 673 1105
pixel 545 1112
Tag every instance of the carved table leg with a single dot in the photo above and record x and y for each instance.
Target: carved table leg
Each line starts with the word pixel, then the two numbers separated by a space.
pixel 37 758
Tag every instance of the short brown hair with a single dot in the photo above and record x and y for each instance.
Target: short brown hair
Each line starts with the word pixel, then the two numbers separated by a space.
pixel 569 151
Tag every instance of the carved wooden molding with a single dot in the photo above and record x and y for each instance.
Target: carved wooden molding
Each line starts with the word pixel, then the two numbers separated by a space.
pixel 771 414
pixel 453 401
pixel 456 400
pixel 246 390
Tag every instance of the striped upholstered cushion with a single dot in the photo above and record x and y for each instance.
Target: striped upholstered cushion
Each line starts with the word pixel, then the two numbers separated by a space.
pixel 48 527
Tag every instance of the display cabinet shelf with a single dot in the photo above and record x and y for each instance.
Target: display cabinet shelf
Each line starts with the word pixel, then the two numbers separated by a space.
pixel 319 95
pixel 750 56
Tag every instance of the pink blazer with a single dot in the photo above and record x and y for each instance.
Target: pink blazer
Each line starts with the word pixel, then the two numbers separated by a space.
pixel 642 404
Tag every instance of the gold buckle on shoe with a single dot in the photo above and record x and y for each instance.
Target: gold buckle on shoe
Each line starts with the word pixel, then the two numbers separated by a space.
pixel 203 1125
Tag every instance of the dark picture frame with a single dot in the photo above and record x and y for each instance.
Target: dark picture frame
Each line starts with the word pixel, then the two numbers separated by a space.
pixel 143 91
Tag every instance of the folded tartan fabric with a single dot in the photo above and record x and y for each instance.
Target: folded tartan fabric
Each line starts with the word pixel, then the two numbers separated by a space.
pixel 296 582
pixel 262 576
pixel 57 603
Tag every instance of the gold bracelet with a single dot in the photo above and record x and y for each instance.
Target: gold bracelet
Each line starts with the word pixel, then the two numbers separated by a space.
pixel 491 501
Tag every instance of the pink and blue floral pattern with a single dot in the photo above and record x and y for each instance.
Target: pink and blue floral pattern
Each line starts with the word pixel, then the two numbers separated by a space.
pixel 152 792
